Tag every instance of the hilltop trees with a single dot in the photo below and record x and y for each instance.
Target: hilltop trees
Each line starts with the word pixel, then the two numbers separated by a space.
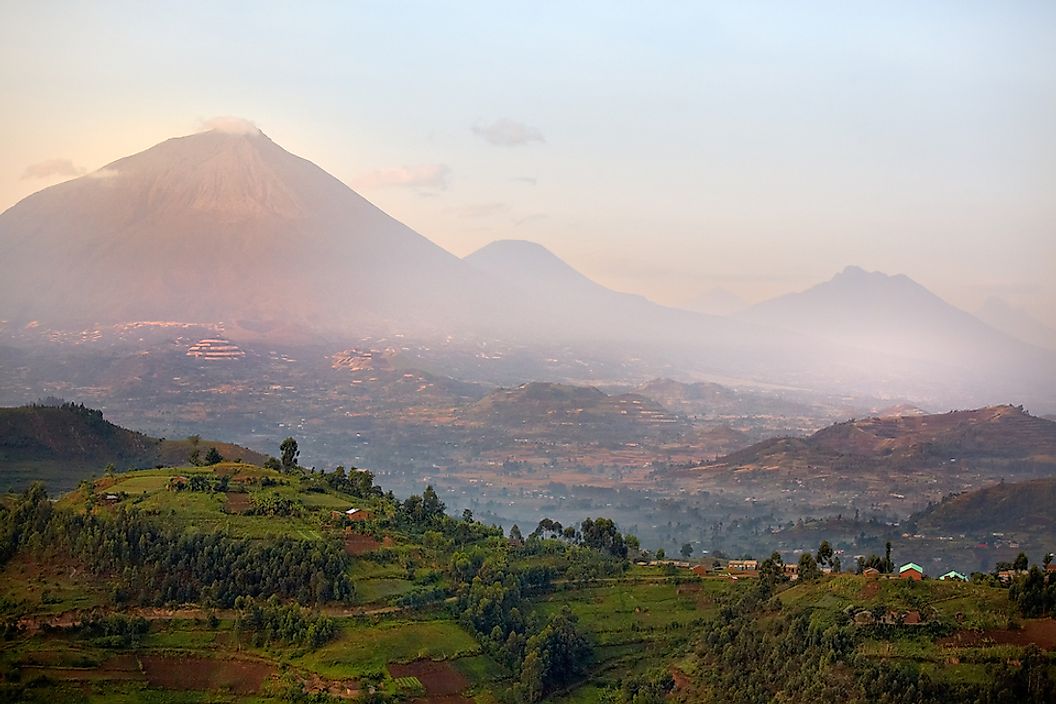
pixel 601 534
pixel 159 564
pixel 289 454
pixel 357 482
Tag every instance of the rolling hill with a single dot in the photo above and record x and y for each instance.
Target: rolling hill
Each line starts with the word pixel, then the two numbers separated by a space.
pixel 888 466
pixel 997 433
pixel 1022 508
pixel 541 407
pixel 61 445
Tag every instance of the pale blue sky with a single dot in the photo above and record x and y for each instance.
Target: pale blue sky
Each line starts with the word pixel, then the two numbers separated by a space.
pixel 666 148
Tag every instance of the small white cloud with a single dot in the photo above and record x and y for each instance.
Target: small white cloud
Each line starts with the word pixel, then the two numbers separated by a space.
pixel 481 210
pixel 52 168
pixel 229 125
pixel 434 176
pixel 505 132
pixel 530 180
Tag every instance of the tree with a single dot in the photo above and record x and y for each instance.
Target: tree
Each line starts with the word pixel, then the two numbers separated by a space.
pixel 825 554
pixel 289 455
pixel 888 565
pixel 660 554
pixel 1021 562
pixel 515 534
pixel 771 572
pixel 213 456
pixel 808 568
pixel 687 550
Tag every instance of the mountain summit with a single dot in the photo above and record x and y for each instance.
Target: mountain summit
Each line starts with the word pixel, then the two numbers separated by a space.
pixel 223 225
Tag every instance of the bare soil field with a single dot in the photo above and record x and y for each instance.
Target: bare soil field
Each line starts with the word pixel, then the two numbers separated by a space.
pixel 359 544
pixel 178 673
pixel 438 678
pixel 1040 632
pixel 237 502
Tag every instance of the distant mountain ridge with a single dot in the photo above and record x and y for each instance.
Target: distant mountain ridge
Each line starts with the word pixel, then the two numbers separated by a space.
pixel 227 229
pixel 1005 433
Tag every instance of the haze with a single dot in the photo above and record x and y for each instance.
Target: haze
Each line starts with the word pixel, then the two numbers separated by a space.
pixel 756 150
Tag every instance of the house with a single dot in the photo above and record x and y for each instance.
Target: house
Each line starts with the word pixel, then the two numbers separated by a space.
pixel 700 570
pixel 871 573
pixel 791 571
pixel 1006 576
pixel 742 565
pixel 911 570
pixel 352 514
pixel 953 575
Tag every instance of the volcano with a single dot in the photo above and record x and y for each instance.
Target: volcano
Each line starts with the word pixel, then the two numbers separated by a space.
pixel 224 226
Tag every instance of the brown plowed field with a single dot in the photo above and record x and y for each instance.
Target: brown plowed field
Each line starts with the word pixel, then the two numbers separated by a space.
pixel 180 673
pixel 440 679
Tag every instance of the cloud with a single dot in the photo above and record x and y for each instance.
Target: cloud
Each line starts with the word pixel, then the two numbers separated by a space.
pixel 229 125
pixel 530 180
pixel 530 218
pixel 433 176
pixel 481 210
pixel 505 132
pixel 52 168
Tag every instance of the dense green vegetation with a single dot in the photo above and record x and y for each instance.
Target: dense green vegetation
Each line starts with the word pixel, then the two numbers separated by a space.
pixel 236 582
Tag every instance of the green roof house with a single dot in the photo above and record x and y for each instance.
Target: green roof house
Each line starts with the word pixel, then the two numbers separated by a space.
pixel 911 570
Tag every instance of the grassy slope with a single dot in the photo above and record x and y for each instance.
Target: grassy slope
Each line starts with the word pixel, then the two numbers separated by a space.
pixel 641 620
pixel 636 620
pixel 60 446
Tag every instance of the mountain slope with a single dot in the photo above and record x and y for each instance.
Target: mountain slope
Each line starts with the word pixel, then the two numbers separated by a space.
pixel 60 445
pixel 1023 508
pixel 1017 323
pixel 893 317
pixel 221 226
pixel 889 314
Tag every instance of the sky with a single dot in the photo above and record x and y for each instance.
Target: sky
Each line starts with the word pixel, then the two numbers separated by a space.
pixel 665 149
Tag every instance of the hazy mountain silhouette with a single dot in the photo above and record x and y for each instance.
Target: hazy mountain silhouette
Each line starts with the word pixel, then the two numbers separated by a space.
pixel 1016 322
pixel 222 226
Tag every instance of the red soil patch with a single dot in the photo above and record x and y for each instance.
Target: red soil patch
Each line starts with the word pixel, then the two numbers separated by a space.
pixel 1040 632
pixel 358 544
pixel 180 673
pixel 438 678
pixel 237 502
pixel 871 589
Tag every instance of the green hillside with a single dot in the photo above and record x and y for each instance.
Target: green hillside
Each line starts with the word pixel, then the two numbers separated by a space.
pixel 62 444
pixel 238 583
